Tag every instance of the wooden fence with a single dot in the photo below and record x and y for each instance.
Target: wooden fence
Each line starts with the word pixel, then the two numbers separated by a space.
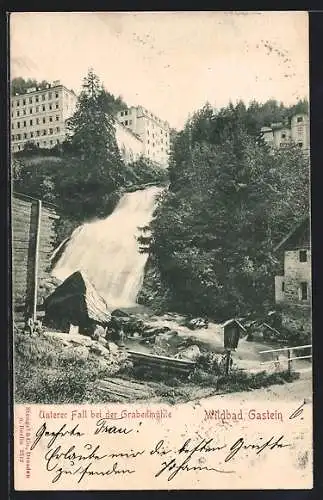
pixel 290 355
pixel 33 242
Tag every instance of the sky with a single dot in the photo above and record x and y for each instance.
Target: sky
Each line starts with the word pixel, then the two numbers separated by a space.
pixel 170 62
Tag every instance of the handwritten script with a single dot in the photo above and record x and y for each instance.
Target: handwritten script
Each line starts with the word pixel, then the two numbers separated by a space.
pixel 70 451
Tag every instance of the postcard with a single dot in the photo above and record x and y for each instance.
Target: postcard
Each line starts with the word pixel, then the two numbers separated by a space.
pixel 161 250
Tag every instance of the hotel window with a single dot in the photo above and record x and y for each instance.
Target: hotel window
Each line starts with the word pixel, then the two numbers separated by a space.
pixel 148 141
pixel 57 141
pixel 57 118
pixel 44 107
pixel 56 95
pixel 37 98
pixel 18 124
pixel 38 144
pixel 18 113
pixel 56 105
pixel 51 142
pixel 49 95
pixel 50 107
pixel 31 134
pixel 44 143
pixel 30 110
pixel 44 132
pixel 283 136
pixel 30 122
pixel 13 125
pixel 30 100
pixel 300 144
pixel 37 121
pixel 303 291
pixel 24 102
pixel 38 132
pixel 50 131
pixel 12 138
pixel 18 103
pixel 18 137
pixel 121 113
pixel 25 124
pixel 283 286
pixel 18 147
pixel 25 135
pixel 299 119
pixel 50 118
pixel 57 129
pixel 126 122
pixel 303 256
pixel 43 97
pixel 24 112
pixel 37 109
pixel 44 120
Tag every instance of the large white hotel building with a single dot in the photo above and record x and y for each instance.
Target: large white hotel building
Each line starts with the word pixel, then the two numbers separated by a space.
pixel 39 116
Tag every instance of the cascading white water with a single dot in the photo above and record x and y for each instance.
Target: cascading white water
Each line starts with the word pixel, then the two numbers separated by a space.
pixel 107 250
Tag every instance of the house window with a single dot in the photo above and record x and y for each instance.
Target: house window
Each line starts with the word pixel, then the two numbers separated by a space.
pixel 57 129
pixel 25 136
pixel 31 134
pixel 299 119
pixel 38 144
pixel 57 118
pixel 44 120
pixel 25 124
pixel 303 256
pixel 38 132
pixel 303 291
pixel 30 111
pixel 121 113
pixel 18 124
pixel 37 99
pixel 50 118
pixel 37 121
pixel 37 109
pixel 126 122
pixel 44 143
pixel 18 113
pixel 283 136
pixel 43 107
pixel 30 122
pixel 30 100
pixel 56 95
pixel 50 107
pixel 49 95
pixel 24 112
pixel 24 102
pixel 43 97
pixel 56 105
pixel 50 130
pixel 300 144
pixel 18 103
pixel 18 137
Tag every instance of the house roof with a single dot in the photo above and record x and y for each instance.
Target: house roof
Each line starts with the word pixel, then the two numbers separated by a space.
pixel 233 320
pixel 287 238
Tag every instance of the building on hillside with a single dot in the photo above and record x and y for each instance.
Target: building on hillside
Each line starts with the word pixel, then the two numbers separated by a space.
pixel 283 134
pixel 293 288
pixel 154 132
pixel 39 116
pixel 130 145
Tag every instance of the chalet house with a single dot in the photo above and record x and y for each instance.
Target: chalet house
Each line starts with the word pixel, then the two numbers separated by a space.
pixel 293 289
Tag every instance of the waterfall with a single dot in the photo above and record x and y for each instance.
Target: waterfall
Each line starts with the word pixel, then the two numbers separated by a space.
pixel 107 250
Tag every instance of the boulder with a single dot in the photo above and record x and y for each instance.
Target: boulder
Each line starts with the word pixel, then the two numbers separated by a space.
pixel 81 351
pixel 97 348
pixel 76 301
pixel 196 323
pixel 191 353
pixel 113 348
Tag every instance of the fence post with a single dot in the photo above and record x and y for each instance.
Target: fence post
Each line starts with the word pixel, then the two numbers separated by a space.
pixel 289 362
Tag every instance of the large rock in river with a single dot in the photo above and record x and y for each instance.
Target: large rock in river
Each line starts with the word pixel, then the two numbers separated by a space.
pixel 77 302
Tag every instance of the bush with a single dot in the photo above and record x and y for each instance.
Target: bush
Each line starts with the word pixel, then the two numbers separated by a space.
pixel 48 372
